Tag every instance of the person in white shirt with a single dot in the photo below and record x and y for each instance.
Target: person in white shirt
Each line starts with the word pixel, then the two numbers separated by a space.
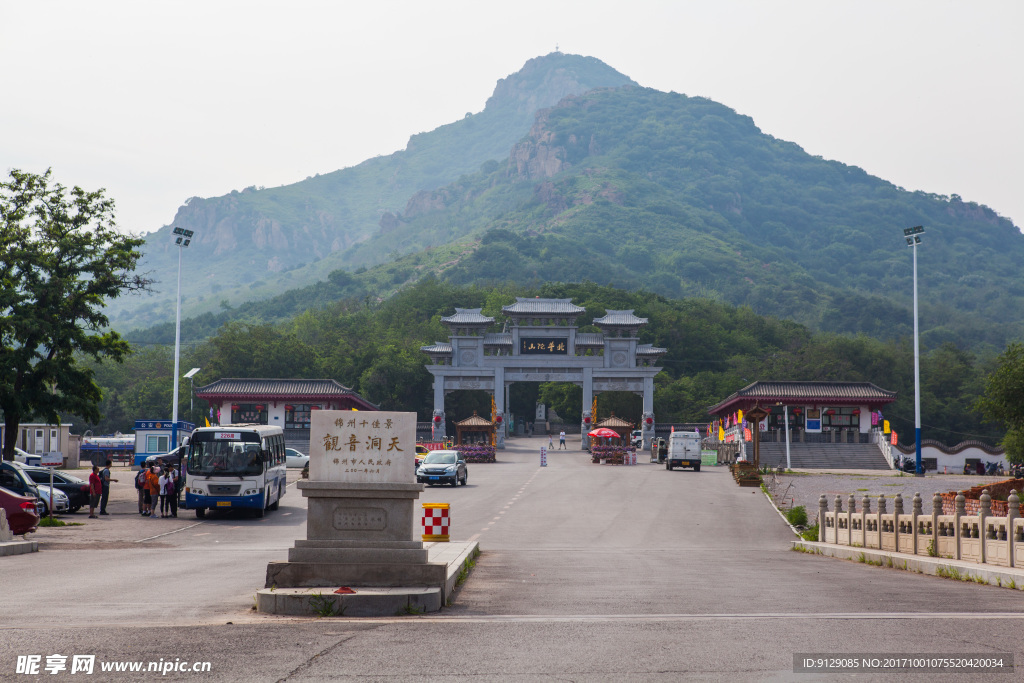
pixel 166 491
pixel 561 440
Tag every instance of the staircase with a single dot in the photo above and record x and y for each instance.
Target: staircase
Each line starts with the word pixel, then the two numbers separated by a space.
pixel 824 456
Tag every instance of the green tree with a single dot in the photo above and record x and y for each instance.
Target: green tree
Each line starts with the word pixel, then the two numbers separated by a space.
pixel 1004 399
pixel 61 259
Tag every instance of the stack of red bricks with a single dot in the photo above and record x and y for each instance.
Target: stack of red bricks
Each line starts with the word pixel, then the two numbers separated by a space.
pixel 972 498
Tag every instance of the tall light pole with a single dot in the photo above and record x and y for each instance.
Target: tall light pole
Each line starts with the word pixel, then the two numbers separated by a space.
pixel 913 236
pixel 184 237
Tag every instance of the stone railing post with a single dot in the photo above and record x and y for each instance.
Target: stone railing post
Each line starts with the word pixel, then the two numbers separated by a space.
pixel 851 506
pixel 958 512
pixel 865 508
pixel 916 510
pixel 822 509
pixel 936 511
pixel 881 511
pixel 897 509
pixel 985 511
pixel 1012 513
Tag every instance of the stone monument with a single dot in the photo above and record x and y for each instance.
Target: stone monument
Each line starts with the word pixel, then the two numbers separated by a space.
pixel 362 493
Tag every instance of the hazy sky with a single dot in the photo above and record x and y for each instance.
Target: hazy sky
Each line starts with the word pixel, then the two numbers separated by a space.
pixel 161 101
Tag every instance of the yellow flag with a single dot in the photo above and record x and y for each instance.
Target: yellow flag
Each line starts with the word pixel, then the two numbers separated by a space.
pixel 739 417
pixel 721 433
pixel 206 421
pixel 885 426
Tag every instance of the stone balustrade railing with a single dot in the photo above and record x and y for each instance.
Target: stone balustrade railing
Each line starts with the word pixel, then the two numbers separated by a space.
pixel 981 538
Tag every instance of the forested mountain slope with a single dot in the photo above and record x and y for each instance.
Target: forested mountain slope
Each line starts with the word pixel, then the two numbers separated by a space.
pixel 255 243
pixel 685 197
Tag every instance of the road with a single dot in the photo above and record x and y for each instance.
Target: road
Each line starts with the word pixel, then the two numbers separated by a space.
pixel 588 572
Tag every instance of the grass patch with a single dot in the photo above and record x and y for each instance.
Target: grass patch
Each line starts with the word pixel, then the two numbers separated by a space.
pixel 810 533
pixel 797 516
pixel 807 551
pixel 932 552
pixel 53 521
pixel 949 573
pixel 862 489
pixel 862 558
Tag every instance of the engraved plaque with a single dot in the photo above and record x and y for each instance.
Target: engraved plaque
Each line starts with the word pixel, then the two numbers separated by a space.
pixel 362 447
pixel 360 519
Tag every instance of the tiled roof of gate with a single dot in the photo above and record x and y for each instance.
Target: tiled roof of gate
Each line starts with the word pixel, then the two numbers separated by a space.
pixel 437 347
pixel 498 339
pixel 468 316
pixel 528 306
pixel 589 339
pixel 650 350
pixel 620 318
pixel 820 392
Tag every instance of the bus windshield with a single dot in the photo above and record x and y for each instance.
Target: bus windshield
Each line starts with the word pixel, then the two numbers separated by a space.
pixel 224 458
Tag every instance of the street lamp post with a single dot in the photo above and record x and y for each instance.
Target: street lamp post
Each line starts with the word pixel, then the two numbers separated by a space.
pixel 913 237
pixel 183 239
pixel 191 394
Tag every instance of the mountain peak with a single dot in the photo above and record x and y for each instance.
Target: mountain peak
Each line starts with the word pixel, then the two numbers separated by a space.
pixel 545 80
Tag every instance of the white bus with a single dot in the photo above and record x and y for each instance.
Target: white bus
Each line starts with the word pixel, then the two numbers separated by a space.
pixel 235 466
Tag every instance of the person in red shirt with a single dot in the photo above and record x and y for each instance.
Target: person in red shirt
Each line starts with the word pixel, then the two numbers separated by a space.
pixel 95 490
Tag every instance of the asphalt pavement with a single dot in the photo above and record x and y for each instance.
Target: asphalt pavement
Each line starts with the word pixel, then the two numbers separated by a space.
pixel 588 572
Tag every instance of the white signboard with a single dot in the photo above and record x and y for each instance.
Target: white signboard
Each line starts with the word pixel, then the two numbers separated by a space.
pixel 543 456
pixel 362 447
pixel 52 459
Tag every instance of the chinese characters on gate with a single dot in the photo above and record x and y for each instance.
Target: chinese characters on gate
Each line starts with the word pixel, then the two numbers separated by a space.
pixel 358 447
pixel 544 345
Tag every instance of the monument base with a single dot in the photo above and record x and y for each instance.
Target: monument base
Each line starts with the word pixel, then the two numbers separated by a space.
pixel 448 563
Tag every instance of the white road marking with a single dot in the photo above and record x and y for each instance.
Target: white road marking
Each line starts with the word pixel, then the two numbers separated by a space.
pixel 613 618
pixel 168 533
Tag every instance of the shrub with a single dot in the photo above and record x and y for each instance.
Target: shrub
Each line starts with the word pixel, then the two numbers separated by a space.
pixel 797 516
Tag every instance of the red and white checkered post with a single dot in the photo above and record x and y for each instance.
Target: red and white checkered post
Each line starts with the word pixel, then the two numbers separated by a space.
pixel 435 521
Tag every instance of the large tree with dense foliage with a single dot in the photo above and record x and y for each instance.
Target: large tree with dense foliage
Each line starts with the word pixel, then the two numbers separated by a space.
pixel 61 258
pixel 1004 399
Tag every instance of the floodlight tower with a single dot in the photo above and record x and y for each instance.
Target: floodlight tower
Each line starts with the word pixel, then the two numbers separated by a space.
pixel 913 237
pixel 182 239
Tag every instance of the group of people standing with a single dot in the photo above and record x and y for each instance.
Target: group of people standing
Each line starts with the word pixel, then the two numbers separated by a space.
pixel 99 489
pixel 159 486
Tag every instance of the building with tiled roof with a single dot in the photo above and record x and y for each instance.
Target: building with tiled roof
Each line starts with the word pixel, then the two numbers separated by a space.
pixel 814 408
pixel 287 403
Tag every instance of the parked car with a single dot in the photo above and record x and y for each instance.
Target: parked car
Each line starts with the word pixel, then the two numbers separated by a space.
pixel 22 515
pixel 13 477
pixel 77 490
pixel 21 456
pixel 421 452
pixel 172 458
pixel 294 458
pixel 636 438
pixel 442 467
pixel 60 500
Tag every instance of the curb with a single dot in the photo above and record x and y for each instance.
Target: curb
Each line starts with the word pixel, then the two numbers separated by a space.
pixel 1003 577
pixel 18 547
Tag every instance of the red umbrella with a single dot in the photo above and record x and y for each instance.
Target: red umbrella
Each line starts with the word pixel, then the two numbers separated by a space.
pixel 604 433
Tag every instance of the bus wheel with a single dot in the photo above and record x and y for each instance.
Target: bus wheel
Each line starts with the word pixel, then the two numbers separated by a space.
pixel 200 513
pixel 263 508
pixel 277 501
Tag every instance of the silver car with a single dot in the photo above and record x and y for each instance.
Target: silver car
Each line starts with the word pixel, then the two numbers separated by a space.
pixel 61 502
